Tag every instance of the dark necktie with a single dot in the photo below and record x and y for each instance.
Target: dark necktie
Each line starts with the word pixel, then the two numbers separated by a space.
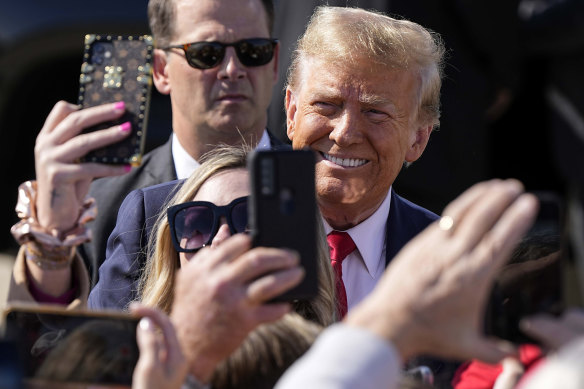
pixel 341 245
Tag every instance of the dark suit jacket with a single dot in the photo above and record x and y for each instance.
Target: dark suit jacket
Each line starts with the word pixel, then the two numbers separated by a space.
pixel 127 244
pixel 109 192
pixel 157 167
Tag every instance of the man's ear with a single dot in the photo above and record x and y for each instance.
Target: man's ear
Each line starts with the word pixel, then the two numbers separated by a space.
pixel 160 72
pixel 418 142
pixel 290 113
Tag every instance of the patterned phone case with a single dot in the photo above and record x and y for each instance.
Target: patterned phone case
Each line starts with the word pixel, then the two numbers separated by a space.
pixel 118 68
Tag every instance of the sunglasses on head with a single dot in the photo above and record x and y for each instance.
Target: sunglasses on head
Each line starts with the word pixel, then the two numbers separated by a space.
pixel 207 55
pixel 193 225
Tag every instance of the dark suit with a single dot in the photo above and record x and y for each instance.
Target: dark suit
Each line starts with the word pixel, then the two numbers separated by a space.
pixel 127 244
pixel 109 192
pixel 157 167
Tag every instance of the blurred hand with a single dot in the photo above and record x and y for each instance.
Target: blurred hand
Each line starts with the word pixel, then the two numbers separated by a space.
pixel 161 363
pixel 63 183
pixel 510 375
pixel 431 299
pixel 555 332
pixel 221 295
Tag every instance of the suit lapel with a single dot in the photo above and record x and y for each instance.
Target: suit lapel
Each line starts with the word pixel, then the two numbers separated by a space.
pixel 161 166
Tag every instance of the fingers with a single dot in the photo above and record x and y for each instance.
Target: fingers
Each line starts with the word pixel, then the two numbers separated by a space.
pixel 505 235
pixel 148 342
pixel 457 208
pixel 555 332
pixel 262 260
pixel 486 210
pixel 59 112
pixel 489 350
pixel 512 372
pixel 80 145
pixel 274 284
pixel 268 313
pixel 76 121
pixel 228 251
pixel 154 316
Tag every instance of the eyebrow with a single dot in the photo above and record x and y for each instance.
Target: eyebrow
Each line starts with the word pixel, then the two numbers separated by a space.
pixel 370 99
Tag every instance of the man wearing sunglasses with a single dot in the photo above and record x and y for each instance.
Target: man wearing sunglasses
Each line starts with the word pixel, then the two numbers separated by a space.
pixel 218 62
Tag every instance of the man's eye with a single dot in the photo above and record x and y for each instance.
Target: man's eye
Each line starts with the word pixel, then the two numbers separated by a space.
pixel 324 107
pixel 376 115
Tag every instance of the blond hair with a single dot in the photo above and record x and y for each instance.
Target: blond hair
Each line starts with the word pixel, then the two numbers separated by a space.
pixel 156 286
pixel 266 353
pixel 344 35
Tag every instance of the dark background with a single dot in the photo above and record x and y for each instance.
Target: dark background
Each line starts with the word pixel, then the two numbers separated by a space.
pixel 495 118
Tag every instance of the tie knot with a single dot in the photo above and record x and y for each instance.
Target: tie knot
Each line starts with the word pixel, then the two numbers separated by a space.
pixel 340 244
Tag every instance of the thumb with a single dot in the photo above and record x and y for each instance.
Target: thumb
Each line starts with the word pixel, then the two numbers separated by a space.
pixel 493 351
pixel 147 339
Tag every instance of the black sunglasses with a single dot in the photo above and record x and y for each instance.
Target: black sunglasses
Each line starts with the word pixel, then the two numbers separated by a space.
pixel 207 55
pixel 193 225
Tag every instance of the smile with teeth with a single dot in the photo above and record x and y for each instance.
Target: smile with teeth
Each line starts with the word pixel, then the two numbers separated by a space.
pixel 345 162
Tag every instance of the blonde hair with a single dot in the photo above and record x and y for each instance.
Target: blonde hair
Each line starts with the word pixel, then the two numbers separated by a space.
pixel 156 286
pixel 266 353
pixel 344 35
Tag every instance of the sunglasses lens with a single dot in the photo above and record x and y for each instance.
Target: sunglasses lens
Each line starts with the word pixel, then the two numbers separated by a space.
pixel 205 55
pixel 255 52
pixel 193 227
pixel 239 216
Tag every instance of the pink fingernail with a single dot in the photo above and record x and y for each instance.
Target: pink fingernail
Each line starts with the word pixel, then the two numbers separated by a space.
pixel 125 127
pixel 127 168
pixel 119 106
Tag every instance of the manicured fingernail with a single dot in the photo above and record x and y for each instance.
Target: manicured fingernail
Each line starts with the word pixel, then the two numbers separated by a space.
pixel 127 168
pixel 146 324
pixel 125 127
pixel 119 106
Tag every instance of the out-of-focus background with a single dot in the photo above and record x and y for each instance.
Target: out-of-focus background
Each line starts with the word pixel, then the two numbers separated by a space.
pixel 513 95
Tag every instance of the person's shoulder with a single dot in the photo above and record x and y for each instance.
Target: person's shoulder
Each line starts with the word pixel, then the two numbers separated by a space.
pixel 406 206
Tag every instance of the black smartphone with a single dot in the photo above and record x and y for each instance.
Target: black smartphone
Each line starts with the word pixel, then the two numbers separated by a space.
pixel 534 279
pixel 282 210
pixel 118 68
pixel 85 347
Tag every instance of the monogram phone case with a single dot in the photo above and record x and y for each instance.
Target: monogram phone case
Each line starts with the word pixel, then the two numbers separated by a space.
pixel 118 68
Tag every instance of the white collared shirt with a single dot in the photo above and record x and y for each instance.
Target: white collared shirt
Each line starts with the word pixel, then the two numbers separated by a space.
pixel 185 165
pixel 363 268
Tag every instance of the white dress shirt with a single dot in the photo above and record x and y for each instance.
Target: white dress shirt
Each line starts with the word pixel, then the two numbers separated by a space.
pixel 345 357
pixel 185 165
pixel 363 268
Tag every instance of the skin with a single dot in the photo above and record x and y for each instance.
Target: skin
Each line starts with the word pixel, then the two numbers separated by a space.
pixel 225 104
pixel 63 184
pixel 161 363
pixel 362 112
pixel 440 280
pixel 221 189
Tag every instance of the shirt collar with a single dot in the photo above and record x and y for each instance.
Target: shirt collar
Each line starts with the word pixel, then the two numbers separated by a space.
pixel 369 233
pixel 184 164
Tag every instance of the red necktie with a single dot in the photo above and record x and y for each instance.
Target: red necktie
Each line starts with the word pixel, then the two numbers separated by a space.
pixel 341 245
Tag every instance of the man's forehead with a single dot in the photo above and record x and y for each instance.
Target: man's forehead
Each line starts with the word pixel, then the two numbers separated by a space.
pixel 371 88
pixel 216 20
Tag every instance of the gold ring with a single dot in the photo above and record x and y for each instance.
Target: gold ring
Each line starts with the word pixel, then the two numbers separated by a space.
pixel 446 223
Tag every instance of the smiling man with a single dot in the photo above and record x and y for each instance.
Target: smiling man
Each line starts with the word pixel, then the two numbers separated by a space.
pixel 363 93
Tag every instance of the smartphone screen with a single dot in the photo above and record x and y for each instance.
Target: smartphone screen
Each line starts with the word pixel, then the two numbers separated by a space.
pixel 58 345
pixel 282 210
pixel 533 281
